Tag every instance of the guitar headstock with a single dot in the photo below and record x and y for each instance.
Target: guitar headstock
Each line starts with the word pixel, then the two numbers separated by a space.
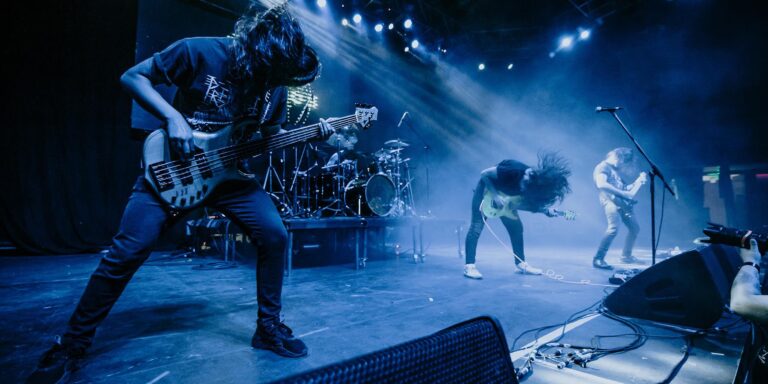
pixel 567 214
pixel 365 115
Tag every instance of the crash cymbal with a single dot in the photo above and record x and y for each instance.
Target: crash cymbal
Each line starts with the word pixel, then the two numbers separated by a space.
pixel 396 143
pixel 381 152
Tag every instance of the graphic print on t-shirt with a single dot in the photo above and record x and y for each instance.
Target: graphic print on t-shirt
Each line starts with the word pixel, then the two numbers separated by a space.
pixel 217 93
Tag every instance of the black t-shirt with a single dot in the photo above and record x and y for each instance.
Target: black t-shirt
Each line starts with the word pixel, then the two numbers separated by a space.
pixel 207 95
pixel 509 174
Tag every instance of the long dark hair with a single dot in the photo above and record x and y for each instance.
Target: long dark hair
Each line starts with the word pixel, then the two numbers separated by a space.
pixel 548 183
pixel 270 46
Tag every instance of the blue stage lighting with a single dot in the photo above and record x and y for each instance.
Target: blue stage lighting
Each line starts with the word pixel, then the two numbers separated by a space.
pixel 379 27
pixel 566 42
pixel 321 3
pixel 414 44
pixel 510 66
pixel 357 18
pixel 408 24
pixel 406 49
pixel 584 34
pixel 481 67
pixel 391 26
pixel 344 22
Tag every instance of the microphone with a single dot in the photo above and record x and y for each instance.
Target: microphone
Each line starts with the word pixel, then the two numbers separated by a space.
pixel 607 109
pixel 402 119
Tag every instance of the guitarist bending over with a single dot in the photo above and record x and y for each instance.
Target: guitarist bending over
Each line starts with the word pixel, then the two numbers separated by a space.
pixel 511 186
pixel 220 81
pixel 618 201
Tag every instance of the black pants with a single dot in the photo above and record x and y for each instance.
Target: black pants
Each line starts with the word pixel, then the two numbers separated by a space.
pixel 144 219
pixel 514 229
pixel 613 215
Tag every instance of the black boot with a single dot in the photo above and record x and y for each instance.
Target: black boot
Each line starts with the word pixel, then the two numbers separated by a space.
pixel 56 364
pixel 601 264
pixel 278 338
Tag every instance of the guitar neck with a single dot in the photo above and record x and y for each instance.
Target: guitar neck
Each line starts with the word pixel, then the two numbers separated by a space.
pixel 281 140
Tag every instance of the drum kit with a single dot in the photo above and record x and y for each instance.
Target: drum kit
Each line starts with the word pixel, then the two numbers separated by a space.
pixel 354 184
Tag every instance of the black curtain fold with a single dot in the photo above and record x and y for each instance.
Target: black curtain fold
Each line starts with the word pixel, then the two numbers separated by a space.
pixel 67 157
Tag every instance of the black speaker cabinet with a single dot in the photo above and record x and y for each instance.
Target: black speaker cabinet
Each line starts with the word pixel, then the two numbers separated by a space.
pixel 689 289
pixel 474 351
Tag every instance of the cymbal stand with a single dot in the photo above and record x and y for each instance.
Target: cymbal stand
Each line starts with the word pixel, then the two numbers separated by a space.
pixel 409 203
pixel 338 188
pixel 311 194
pixel 399 211
pixel 273 173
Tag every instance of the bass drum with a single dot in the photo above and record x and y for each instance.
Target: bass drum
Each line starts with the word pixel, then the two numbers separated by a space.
pixel 372 196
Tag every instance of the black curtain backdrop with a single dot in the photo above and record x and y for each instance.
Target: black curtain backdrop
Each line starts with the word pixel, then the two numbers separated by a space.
pixel 68 162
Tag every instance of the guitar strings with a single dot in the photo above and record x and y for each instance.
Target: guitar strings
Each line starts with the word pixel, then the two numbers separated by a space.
pixel 225 161
pixel 227 154
pixel 240 146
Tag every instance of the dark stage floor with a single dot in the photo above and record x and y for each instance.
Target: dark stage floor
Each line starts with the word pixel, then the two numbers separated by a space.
pixel 176 324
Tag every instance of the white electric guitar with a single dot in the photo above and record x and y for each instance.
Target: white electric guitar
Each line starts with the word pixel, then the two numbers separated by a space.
pixel 185 184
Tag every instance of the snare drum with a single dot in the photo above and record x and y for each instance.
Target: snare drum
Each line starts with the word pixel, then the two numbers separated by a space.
pixel 371 196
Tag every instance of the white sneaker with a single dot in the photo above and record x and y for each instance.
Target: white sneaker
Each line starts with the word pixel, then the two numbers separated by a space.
pixel 471 271
pixel 526 269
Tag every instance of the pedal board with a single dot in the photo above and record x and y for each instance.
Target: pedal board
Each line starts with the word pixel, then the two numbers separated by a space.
pixel 621 276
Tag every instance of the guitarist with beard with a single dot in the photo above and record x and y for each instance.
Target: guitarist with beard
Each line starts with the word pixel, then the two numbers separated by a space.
pixel 220 80
pixel 511 186
pixel 617 199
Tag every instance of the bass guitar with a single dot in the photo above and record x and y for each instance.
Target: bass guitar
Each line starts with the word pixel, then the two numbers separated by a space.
pixel 186 184
pixel 503 205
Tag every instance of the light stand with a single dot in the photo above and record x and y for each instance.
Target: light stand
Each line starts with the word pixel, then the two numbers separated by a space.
pixel 653 173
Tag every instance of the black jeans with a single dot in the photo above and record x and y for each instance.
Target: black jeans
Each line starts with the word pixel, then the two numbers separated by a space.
pixel 514 229
pixel 144 219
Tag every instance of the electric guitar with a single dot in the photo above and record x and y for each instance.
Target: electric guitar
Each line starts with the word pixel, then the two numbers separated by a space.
pixel 627 203
pixel 509 206
pixel 186 184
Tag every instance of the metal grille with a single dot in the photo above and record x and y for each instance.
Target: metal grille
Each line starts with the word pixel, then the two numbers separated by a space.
pixel 474 351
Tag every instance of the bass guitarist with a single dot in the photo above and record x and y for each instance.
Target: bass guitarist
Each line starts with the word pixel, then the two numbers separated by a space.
pixel 511 186
pixel 220 80
pixel 617 199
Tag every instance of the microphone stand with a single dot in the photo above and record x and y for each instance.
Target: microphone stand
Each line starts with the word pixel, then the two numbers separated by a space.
pixel 427 156
pixel 655 171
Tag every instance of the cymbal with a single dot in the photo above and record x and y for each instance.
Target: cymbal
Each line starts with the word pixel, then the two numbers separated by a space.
pixel 396 143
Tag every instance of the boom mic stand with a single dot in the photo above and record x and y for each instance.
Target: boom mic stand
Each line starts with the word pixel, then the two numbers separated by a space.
pixel 655 171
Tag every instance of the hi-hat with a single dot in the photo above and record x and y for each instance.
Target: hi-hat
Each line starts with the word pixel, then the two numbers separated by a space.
pixel 396 143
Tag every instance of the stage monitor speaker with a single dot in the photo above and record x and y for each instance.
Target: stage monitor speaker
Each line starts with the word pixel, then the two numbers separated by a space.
pixel 474 351
pixel 690 289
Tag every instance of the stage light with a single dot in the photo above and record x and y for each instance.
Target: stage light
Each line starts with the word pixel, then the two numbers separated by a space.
pixel 414 44
pixel 379 27
pixel 408 24
pixel 391 26
pixel 584 34
pixel 357 18
pixel 344 22
pixel 321 3
pixel 481 67
pixel 566 42
pixel 406 49
pixel 510 66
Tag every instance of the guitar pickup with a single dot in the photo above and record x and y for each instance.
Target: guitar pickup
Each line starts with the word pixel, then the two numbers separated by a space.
pixel 162 177
pixel 203 166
